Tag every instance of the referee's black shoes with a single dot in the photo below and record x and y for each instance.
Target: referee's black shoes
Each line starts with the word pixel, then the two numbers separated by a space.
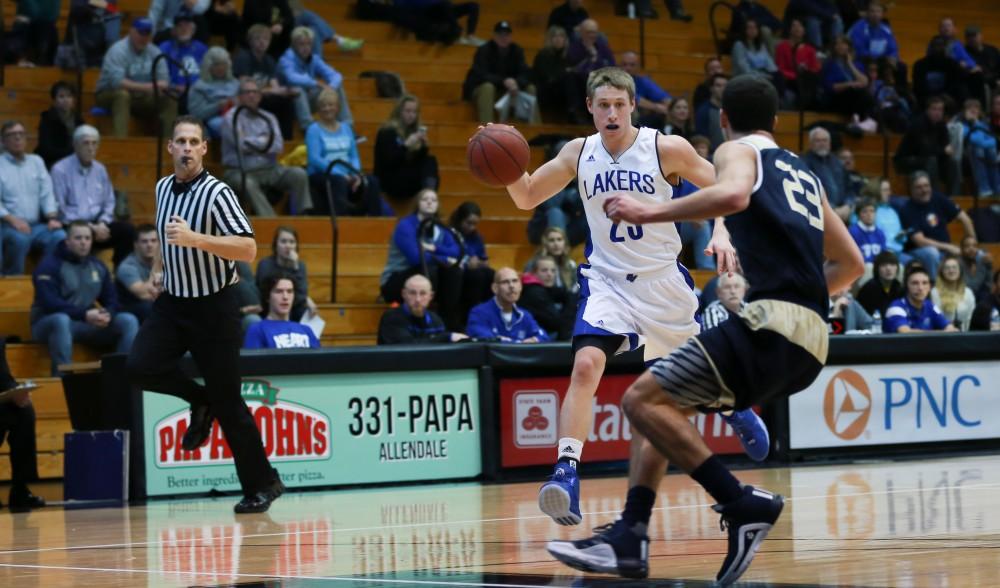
pixel 261 501
pixel 198 429
pixel 21 499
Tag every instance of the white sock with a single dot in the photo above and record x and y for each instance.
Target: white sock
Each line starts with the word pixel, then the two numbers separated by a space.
pixel 571 449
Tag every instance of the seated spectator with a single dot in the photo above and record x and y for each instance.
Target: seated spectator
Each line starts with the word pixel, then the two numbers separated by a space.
pixel 96 26
pixel 75 301
pixel 913 312
pixel 845 86
pixel 730 291
pixel 311 76
pixel 284 260
pixel 986 317
pixel 986 56
pixel 403 163
pixel 568 16
pixel 702 146
pixel 799 65
pixel 436 21
pixel 994 115
pixel 477 277
pixel 223 18
pixel 651 101
pixel 83 191
pixel 830 172
pixel 184 49
pixel 500 318
pixel 848 312
pixel 137 288
pixel 747 10
pixel 855 181
pixel 255 62
pixel 980 146
pixel 752 55
pixel 563 211
pixel 892 107
pixel 551 74
pixel 322 31
pixel 821 17
pixel 936 74
pixel 499 68
pixel 972 73
pixel 554 244
pixel 874 41
pixel 125 86
pixel 951 295
pixel 926 215
pixel 277 16
pixel 413 321
pixel 215 92
pixel 27 206
pixel 56 125
pixel 259 145
pixel 695 235
pixel 977 267
pixel 887 217
pixel 674 7
pixel 554 308
pixel 679 120
pixel 166 14
pixel 17 425
pixel 713 67
pixel 420 244
pixel 248 296
pixel 353 193
pixel 33 37
pixel 926 146
pixel 707 120
pixel 277 330
pixel 870 239
pixel 587 53
pixel 884 287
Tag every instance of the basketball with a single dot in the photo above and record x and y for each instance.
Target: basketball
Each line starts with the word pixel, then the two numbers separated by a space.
pixel 498 155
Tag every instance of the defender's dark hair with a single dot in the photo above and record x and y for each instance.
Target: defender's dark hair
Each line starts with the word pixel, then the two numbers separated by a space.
pixel 750 102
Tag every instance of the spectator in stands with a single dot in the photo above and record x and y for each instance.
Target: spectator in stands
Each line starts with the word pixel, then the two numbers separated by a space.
pixel 877 293
pixel 33 37
pixel 770 25
pixel 223 18
pixel 322 31
pixel 977 267
pixel 679 120
pixel 277 16
pixel 980 146
pixel 870 239
pixel 563 211
pixel 913 312
pixel 847 311
pixel 822 20
pixel 937 74
pixel 702 146
pixel 97 25
pixel 927 215
pixel 284 260
pixel 165 14
pixel 551 73
pixel 892 107
pixel 420 244
pixel 707 120
pixel 752 55
pixel 830 172
pixel 255 62
pixel 413 321
pixel 554 244
pixel 587 53
pixel 308 73
pixel 215 92
pixel 498 67
pixel 986 56
pixel 125 86
pixel 695 235
pixel 56 125
pixel 277 330
pixel 855 181
pixel 17 425
pixel 403 162
pixel 553 307
pixel 185 50
pixel 27 206
pixel 713 67
pixel 988 309
pixel 730 291
pixel 951 295
pixel 994 116
pixel 75 301
pixel 248 296
pixel 846 87
pixel 436 21
pixel 259 145
pixel 652 102
pixel 137 288
pixel 477 277
pixel 328 140
pixel 500 318
pixel 83 191
pixel 874 41
pixel 799 66
pixel 926 146
pixel 568 16
pixel 954 48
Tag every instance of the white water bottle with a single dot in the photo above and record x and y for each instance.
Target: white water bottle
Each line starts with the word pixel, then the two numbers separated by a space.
pixel 995 320
pixel 877 322
pixel 631 9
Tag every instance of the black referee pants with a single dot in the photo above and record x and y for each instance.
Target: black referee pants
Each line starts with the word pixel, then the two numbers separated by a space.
pixel 208 327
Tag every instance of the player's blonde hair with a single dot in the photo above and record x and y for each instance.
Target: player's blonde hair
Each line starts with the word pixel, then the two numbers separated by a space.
pixel 615 77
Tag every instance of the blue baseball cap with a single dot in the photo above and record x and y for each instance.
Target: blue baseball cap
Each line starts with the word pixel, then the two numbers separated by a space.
pixel 143 25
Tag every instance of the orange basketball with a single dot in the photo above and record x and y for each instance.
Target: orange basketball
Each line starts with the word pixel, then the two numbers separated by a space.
pixel 498 155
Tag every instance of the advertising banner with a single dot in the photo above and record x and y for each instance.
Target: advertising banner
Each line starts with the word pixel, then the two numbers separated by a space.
pixel 888 404
pixel 529 422
pixel 329 429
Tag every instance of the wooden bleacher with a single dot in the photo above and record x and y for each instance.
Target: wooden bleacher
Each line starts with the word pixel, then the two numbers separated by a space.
pixel 675 54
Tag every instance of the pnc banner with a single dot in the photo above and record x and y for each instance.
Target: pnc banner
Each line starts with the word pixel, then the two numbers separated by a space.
pixel 888 404
pixel 328 429
pixel 529 422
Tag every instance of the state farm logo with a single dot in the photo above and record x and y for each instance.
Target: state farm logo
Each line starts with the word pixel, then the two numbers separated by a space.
pixel 847 404
pixel 536 413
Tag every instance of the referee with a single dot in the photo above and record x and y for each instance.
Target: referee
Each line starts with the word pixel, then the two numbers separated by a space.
pixel 203 232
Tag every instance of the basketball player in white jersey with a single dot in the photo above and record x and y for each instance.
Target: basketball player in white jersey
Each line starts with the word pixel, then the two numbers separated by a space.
pixel 633 290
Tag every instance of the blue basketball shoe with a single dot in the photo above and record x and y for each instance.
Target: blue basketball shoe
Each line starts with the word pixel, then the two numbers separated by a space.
pixel 747 521
pixel 560 496
pixel 751 431
pixel 617 548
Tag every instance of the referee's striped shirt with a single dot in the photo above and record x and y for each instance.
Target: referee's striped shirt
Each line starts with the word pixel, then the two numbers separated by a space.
pixel 715 314
pixel 210 207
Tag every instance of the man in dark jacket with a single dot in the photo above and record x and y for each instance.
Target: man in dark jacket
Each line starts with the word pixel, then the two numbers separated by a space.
pixel 926 146
pixel 937 74
pixel 498 67
pixel 553 307
pixel 75 300
pixel 413 321
pixel 17 425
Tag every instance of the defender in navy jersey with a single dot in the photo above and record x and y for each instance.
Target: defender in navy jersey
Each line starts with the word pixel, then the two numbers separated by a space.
pixel 783 227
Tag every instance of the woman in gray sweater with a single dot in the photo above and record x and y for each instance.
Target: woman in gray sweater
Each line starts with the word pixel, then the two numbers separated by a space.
pixel 215 92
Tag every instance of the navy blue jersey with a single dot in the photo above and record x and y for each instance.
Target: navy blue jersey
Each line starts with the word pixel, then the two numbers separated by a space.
pixel 779 237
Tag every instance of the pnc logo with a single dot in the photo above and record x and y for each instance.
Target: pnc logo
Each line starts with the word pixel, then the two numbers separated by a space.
pixel 847 404
pixel 535 420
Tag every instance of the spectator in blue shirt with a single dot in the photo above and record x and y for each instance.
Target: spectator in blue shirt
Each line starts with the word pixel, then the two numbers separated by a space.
pixel 926 215
pixel 300 68
pixel 846 87
pixel 873 40
pixel 652 102
pixel 707 121
pixel 980 146
pixel 914 313
pixel 500 318
pixel 184 49
pixel 954 47
pixel 477 275
pixel 277 330
pixel 870 239
pixel 887 219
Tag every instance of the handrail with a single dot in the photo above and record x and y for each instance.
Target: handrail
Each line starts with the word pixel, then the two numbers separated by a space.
pixel 236 143
pixel 156 101
pixel 335 241
pixel 711 23
pixel 434 221
pixel 642 40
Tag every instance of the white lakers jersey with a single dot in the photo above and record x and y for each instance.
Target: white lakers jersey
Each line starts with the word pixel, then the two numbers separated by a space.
pixel 622 249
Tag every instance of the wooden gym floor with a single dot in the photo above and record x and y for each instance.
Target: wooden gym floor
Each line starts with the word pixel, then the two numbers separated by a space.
pixel 917 523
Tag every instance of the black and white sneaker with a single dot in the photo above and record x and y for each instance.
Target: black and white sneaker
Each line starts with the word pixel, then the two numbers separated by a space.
pixel 748 521
pixel 616 548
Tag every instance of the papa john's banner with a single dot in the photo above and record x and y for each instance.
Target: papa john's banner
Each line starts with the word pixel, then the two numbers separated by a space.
pixel 529 422
pixel 329 429
pixel 886 404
